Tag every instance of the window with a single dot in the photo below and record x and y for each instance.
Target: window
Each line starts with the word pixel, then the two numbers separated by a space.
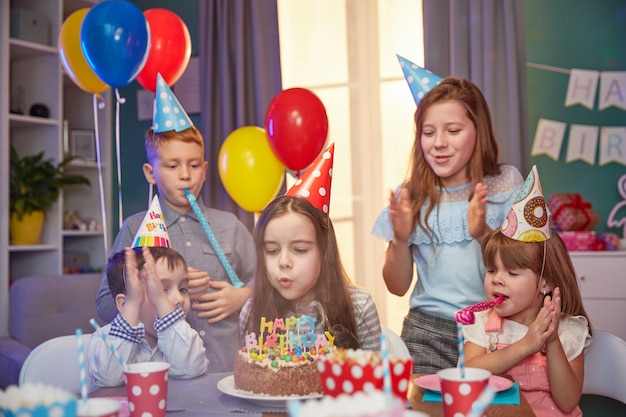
pixel 345 52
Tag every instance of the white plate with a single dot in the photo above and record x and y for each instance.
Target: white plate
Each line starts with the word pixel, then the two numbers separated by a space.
pixel 431 382
pixel 227 386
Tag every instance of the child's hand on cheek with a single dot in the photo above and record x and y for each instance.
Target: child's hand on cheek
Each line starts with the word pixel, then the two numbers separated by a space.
pixel 135 293
pixel 154 288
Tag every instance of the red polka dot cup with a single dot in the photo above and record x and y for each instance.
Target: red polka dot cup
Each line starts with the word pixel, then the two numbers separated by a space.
pixel 458 394
pixel 146 388
pixel 362 371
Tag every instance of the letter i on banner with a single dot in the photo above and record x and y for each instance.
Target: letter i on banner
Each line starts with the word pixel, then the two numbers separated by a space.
pixel 582 88
pixel 548 138
pixel 582 143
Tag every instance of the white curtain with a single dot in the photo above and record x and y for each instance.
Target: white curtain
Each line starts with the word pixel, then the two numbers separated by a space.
pixel 484 41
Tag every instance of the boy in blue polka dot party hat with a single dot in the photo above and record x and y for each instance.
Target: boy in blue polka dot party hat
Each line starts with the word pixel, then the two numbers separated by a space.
pixel 176 165
pixel 150 288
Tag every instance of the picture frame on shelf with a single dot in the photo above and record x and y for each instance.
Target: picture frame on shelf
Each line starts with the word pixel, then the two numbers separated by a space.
pixel 83 144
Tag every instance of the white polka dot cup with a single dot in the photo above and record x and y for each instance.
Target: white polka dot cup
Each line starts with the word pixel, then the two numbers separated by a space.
pixel 99 407
pixel 146 388
pixel 458 394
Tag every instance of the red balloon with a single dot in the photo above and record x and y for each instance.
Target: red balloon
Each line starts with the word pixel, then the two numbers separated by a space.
pixel 170 48
pixel 296 125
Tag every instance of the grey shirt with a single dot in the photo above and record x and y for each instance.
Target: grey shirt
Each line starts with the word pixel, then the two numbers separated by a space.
pixel 221 339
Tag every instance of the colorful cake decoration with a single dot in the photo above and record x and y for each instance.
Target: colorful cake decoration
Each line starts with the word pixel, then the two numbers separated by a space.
pixel 420 80
pixel 293 335
pixel 152 231
pixel 527 220
pixel 168 113
pixel 315 183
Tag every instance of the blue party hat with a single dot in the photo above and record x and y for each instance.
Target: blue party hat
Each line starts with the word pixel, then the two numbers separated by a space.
pixel 168 113
pixel 420 80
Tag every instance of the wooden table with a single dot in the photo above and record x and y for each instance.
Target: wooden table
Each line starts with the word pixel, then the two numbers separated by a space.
pixel 435 409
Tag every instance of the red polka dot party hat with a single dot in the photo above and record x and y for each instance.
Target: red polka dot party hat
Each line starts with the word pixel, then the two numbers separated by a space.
pixel 314 184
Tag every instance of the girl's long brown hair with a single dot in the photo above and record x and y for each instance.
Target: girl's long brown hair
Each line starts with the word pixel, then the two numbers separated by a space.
pixel 331 290
pixel 558 270
pixel 422 183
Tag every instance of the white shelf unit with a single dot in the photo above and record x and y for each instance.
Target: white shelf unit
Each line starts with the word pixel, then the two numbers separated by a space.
pixel 602 284
pixel 30 73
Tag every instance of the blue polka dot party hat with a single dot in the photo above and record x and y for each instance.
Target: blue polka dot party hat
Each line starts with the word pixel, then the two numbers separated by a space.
pixel 314 184
pixel 152 231
pixel 527 220
pixel 168 113
pixel 420 80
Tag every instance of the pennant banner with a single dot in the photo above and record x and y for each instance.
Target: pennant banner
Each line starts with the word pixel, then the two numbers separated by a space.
pixel 582 142
pixel 548 138
pixel 613 145
pixel 582 88
pixel 612 90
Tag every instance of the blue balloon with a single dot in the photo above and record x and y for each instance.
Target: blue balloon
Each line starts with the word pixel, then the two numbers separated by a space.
pixel 115 39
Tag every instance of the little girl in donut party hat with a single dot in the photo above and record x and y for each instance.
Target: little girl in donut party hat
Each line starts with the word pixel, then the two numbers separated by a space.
pixel 540 319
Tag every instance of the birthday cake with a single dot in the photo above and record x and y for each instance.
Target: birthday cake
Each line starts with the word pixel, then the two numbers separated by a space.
pixel 281 360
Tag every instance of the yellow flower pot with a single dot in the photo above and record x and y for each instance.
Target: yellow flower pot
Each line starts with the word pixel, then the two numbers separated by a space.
pixel 28 230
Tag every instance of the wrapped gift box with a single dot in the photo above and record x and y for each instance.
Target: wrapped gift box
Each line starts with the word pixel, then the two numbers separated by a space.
pixel 580 241
pixel 571 213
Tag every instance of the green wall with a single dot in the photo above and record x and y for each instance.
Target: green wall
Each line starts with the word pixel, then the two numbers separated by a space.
pixel 580 34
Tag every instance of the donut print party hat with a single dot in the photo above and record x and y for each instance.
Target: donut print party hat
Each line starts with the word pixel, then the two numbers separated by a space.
pixel 168 113
pixel 527 220
pixel 152 231
pixel 420 80
pixel 314 184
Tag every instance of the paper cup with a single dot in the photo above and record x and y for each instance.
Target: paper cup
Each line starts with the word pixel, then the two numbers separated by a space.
pixel 350 376
pixel 146 388
pixel 458 394
pixel 98 407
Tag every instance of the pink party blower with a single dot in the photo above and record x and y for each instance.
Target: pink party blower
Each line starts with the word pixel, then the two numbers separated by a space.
pixel 466 315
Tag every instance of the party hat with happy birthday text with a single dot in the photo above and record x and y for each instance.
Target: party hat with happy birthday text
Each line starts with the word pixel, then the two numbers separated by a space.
pixel 152 231
pixel 420 80
pixel 314 185
pixel 527 220
pixel 168 113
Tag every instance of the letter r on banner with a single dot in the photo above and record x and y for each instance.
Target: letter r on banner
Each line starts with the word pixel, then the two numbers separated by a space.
pixel 613 145
pixel 548 138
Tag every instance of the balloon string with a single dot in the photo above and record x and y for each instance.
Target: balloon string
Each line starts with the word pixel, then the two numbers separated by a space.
pixel 100 105
pixel 119 101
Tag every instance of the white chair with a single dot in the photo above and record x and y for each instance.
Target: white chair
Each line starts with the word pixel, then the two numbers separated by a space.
pixel 395 345
pixel 605 366
pixel 55 362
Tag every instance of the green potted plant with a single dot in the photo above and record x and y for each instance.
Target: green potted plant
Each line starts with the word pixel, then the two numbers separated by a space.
pixel 35 184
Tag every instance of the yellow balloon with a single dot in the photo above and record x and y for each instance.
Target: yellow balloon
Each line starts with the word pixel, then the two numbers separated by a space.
pixel 72 57
pixel 249 169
